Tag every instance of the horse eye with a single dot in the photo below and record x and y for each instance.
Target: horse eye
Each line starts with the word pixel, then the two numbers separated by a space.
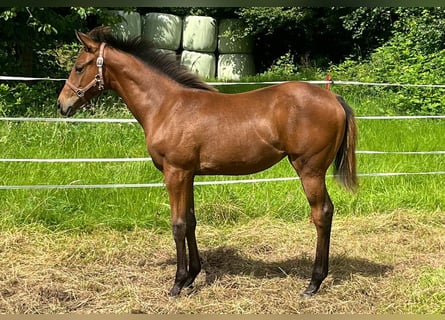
pixel 79 68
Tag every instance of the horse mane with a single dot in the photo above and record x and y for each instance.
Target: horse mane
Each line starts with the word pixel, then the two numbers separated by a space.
pixel 153 57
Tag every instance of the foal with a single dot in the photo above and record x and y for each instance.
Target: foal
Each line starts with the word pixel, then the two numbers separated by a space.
pixel 191 129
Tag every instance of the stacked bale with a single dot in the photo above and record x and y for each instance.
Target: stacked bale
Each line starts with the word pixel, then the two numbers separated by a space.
pixel 163 30
pixel 199 43
pixel 201 63
pixel 235 59
pixel 203 40
pixel 130 26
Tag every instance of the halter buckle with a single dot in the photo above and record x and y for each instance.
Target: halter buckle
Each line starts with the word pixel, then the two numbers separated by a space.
pixel 80 93
pixel 100 61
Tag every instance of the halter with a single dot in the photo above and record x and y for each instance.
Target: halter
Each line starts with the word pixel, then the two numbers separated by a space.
pixel 98 79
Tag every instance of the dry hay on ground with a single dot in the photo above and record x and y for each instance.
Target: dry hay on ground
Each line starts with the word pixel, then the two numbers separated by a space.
pixel 377 266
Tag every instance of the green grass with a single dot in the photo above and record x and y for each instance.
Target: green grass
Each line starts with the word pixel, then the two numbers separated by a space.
pixel 428 295
pixel 122 209
pixel 73 249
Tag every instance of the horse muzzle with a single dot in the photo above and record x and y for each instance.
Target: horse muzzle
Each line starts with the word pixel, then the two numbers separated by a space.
pixel 67 108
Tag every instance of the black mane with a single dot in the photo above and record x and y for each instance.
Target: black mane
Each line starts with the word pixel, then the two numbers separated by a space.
pixel 145 51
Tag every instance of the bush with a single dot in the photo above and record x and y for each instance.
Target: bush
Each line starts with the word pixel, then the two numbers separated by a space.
pixel 38 99
pixel 284 68
pixel 403 60
pixel 25 99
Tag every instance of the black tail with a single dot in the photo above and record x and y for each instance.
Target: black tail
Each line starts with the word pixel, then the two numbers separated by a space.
pixel 345 160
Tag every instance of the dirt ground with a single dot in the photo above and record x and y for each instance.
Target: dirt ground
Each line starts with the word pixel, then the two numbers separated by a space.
pixel 387 263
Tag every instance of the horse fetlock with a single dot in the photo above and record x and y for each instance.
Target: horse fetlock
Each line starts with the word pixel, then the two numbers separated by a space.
pixel 190 279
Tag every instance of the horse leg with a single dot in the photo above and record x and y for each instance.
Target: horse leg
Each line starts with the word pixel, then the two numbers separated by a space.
pixel 180 187
pixel 322 210
pixel 194 262
pixel 322 218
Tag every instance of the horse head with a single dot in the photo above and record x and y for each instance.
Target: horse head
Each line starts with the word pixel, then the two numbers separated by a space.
pixel 86 78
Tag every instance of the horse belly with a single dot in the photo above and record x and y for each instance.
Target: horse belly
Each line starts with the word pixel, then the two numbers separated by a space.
pixel 238 159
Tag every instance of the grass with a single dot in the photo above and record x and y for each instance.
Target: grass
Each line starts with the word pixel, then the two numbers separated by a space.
pixel 148 207
pixel 110 250
pixel 392 265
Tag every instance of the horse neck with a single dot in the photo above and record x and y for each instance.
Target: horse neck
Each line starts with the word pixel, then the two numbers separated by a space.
pixel 142 89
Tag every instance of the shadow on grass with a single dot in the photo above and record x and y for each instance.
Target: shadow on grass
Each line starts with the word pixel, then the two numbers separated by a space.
pixel 227 261
pixel 224 260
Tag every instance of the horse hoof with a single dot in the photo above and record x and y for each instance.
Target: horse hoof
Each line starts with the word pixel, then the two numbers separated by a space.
pixel 174 292
pixel 307 295
pixel 310 291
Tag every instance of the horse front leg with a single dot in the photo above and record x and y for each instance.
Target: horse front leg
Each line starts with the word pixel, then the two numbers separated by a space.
pixel 194 261
pixel 180 190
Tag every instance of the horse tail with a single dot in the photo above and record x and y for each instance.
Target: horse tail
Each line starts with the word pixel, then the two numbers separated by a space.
pixel 345 160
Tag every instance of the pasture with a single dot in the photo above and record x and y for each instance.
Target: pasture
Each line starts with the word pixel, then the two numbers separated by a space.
pixel 111 250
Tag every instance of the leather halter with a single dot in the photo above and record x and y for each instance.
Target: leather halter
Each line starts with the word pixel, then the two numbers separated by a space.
pixel 98 79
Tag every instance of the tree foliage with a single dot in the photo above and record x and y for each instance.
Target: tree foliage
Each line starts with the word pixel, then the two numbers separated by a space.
pixel 415 54
pixel 310 34
pixel 30 34
pixel 38 42
pixel 369 27
pixel 404 45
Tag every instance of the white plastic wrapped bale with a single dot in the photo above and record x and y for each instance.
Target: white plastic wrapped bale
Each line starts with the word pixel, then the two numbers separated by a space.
pixel 230 40
pixel 234 66
pixel 199 34
pixel 203 64
pixel 130 26
pixel 166 51
pixel 164 30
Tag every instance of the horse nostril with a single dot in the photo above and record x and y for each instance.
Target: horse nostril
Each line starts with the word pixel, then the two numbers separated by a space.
pixel 58 105
pixel 68 112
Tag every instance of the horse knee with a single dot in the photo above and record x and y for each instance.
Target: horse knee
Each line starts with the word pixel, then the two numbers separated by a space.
pixel 328 209
pixel 179 230
pixel 323 216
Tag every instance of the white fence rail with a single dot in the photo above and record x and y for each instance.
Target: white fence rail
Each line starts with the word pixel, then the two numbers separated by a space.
pixel 92 160
pixel 116 120
pixel 203 183
pixel 331 82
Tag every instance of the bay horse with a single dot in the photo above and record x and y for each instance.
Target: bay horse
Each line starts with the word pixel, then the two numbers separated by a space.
pixel 192 129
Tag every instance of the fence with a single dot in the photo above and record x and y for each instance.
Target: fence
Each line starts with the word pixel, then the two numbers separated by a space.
pixel 203 183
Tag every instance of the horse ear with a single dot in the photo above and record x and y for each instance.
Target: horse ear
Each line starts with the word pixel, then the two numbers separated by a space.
pixel 89 44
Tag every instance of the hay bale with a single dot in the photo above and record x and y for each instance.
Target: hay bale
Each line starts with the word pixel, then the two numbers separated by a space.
pixel 234 66
pixel 199 34
pixel 130 26
pixel 167 51
pixel 229 37
pixel 164 30
pixel 203 64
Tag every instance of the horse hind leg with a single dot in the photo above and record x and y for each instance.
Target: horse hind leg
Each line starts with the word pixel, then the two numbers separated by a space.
pixel 321 216
pixel 322 209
